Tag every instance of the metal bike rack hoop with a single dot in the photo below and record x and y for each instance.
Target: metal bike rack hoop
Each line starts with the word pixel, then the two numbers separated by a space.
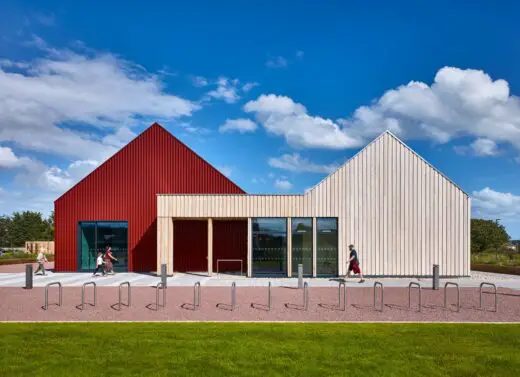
pixel 47 293
pixel 446 295
pixel 196 295
pixel 378 283
pixel 83 294
pixel 342 284
pixel 157 288
pixel 414 284
pixel 127 283
pixel 495 291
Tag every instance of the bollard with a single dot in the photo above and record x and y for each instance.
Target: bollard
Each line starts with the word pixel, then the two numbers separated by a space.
pixel 233 295
pixel 163 275
pixel 435 277
pixel 300 276
pixel 269 297
pixel 196 296
pixel 28 276
pixel 305 296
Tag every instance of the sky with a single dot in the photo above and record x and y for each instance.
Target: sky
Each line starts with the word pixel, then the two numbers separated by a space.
pixel 275 94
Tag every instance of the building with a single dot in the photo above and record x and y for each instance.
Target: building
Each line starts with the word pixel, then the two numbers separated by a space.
pixel 156 202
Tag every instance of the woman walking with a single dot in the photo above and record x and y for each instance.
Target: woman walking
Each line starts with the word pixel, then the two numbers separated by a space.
pixel 109 267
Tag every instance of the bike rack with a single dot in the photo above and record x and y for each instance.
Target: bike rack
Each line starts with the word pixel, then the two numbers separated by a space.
pixel 413 284
pixel 83 294
pixel 47 293
pixel 269 297
pixel 305 296
pixel 128 294
pixel 446 295
pixel 233 295
pixel 196 295
pixel 495 289
pixel 382 295
pixel 342 284
pixel 157 288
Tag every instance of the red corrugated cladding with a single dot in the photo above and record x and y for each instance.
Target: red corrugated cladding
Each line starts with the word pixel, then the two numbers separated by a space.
pixel 124 188
pixel 190 245
pixel 230 242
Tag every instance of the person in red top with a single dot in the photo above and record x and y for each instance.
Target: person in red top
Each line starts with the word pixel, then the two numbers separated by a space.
pixel 109 267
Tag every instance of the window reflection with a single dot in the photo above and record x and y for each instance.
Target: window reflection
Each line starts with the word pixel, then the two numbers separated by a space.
pixel 95 237
pixel 269 246
pixel 327 246
pixel 301 229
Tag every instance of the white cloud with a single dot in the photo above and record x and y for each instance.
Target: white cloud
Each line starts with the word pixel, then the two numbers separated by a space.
pixel 490 204
pixel 248 86
pixel 40 98
pixel 484 147
pixel 271 175
pixel 200 81
pixel 226 90
pixel 282 116
pixel 226 170
pixel 459 103
pixel 276 62
pixel 258 180
pixel 480 147
pixel 517 160
pixel 120 138
pixel 53 178
pixel 295 163
pixel 239 125
pixel 7 158
pixel 283 184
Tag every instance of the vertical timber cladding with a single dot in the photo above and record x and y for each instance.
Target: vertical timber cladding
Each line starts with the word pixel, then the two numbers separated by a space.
pixel 402 214
pixel 124 188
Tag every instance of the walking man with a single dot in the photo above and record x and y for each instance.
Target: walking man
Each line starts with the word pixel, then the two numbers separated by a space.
pixel 353 263
pixel 41 259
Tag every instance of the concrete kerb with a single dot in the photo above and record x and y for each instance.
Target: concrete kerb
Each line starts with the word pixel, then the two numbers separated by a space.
pixel 282 322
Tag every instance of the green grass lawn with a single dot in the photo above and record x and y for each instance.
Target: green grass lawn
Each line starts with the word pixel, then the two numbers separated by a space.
pixel 173 349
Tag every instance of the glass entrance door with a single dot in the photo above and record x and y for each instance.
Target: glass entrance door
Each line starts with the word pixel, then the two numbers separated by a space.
pixel 302 245
pixel 96 236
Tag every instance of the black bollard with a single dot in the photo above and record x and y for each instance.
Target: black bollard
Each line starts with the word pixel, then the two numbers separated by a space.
pixel 435 277
pixel 28 276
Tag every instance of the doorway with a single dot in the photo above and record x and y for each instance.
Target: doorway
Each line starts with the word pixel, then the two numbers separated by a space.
pixel 95 236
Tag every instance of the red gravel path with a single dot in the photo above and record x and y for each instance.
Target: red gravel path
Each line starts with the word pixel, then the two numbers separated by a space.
pixel 13 268
pixel 17 304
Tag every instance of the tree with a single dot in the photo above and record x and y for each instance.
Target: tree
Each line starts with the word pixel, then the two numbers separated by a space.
pixel 5 222
pixel 27 226
pixel 487 235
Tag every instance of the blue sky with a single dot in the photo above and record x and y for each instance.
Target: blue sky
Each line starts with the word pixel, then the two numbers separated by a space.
pixel 275 94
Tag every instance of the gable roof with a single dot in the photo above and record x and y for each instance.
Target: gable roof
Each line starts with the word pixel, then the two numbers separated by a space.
pixel 390 134
pixel 147 133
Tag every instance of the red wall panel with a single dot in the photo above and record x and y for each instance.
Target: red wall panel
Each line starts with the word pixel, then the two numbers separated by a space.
pixel 230 242
pixel 190 245
pixel 124 188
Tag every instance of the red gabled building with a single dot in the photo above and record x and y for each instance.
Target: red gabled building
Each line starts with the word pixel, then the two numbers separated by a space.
pixel 116 206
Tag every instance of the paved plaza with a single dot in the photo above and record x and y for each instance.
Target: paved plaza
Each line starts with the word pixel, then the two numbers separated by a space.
pixel 287 301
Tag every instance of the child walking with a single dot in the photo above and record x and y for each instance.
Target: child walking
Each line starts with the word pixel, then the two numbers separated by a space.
pixel 99 265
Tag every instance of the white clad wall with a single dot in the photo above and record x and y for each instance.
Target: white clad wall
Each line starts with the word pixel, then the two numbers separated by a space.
pixel 402 215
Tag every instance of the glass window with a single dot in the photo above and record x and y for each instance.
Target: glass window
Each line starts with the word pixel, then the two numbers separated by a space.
pixel 327 246
pixel 95 237
pixel 269 246
pixel 301 229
